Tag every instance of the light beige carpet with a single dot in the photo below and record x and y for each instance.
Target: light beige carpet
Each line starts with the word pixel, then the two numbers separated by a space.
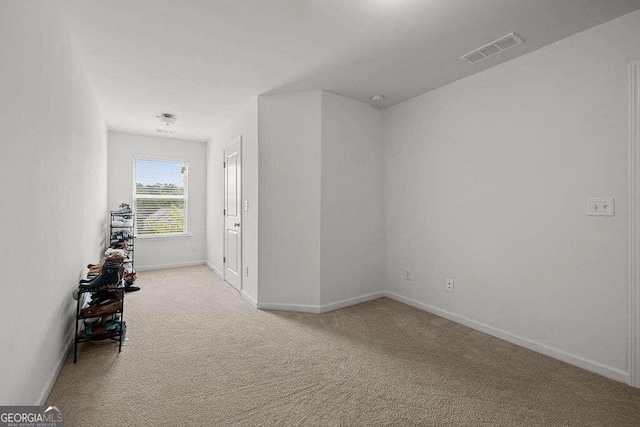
pixel 200 355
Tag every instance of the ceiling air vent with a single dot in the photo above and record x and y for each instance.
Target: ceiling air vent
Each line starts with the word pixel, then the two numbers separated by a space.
pixel 493 48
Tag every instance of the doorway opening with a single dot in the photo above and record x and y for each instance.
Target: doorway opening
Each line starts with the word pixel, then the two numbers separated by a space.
pixel 233 213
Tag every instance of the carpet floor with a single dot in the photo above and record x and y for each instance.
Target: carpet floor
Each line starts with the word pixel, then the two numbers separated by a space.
pixel 199 355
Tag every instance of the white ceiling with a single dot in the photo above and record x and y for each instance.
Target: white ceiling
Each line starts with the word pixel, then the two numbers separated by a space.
pixel 204 59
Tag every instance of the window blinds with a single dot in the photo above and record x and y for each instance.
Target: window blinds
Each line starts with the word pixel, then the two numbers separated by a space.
pixel 160 197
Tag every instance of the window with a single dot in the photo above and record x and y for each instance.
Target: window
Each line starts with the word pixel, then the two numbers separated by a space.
pixel 160 197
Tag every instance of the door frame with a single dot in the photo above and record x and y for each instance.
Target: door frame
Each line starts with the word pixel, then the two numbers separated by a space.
pixel 237 139
pixel 633 355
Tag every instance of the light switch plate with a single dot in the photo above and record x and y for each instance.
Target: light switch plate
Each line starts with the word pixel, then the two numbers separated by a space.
pixel 246 206
pixel 600 206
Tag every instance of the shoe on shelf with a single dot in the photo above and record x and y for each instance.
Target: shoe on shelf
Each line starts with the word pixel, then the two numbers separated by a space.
pixel 114 252
pixel 100 310
pixel 108 276
pixel 125 223
pixel 92 284
pixel 95 268
pixel 104 297
pixel 131 277
pixel 112 325
pixel 123 205
pixel 121 236
pixel 100 320
pixel 124 209
pixel 114 259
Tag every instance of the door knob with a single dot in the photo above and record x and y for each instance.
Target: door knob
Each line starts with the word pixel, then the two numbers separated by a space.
pixel 237 224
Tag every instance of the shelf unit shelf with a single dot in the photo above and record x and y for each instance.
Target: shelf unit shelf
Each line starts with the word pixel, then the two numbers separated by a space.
pixel 99 337
pixel 118 311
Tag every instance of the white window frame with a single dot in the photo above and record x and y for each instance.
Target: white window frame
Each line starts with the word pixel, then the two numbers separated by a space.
pixel 185 197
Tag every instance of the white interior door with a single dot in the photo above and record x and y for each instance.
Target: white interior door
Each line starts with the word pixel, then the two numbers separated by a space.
pixel 233 213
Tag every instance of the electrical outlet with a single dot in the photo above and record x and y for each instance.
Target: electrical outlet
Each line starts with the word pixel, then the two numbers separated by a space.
pixel 194 248
pixel 600 206
pixel 449 285
pixel 407 274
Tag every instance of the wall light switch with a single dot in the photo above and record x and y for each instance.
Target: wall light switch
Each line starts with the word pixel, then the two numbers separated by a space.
pixel 407 274
pixel 246 270
pixel 600 206
pixel 246 206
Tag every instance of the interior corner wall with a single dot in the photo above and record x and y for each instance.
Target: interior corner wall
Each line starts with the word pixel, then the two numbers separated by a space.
pixel 245 125
pixel 486 184
pixel 352 214
pixel 289 129
pixel 161 252
pixel 54 167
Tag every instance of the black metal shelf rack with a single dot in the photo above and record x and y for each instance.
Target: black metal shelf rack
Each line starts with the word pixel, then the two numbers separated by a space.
pixel 81 337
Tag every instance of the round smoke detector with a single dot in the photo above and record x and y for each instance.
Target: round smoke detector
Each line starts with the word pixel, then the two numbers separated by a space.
pixel 377 101
pixel 167 118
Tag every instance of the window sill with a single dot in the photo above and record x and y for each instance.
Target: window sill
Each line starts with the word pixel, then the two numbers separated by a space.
pixel 164 236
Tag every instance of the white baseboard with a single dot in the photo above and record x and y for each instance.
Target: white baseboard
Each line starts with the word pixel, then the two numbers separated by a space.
pixel 248 298
pixel 165 266
pixel 350 301
pixel 317 309
pixel 572 359
pixel 48 386
pixel 288 307
pixel 215 270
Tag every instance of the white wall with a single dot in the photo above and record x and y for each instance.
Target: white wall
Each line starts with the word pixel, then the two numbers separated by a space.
pixel 289 198
pixel 245 125
pixel 54 170
pixel 487 181
pixel 156 252
pixel 321 235
pixel 352 221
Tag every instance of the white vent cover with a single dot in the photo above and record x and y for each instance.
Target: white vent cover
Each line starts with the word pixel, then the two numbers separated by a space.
pixel 493 48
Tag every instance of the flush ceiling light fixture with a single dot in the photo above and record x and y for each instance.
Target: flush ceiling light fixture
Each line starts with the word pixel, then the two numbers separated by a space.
pixel 167 118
